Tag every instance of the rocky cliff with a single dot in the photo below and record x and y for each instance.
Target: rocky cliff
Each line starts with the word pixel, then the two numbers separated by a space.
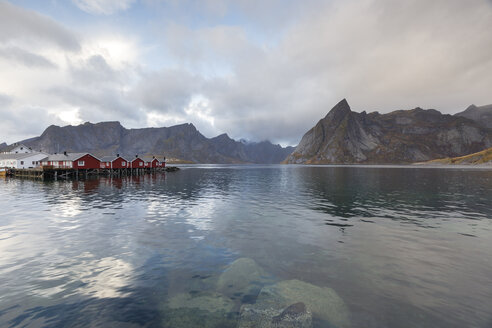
pixel 182 142
pixel 403 136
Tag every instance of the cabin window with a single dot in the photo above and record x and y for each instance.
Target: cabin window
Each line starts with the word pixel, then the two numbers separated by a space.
pixel 22 162
pixel 81 163
pixel 141 164
pixel 123 163
pixel 33 163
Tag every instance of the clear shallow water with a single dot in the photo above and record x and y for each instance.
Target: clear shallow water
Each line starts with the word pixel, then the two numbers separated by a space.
pixel 403 247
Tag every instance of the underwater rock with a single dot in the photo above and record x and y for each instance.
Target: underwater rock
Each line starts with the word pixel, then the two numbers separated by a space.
pixel 196 318
pixel 211 302
pixel 242 277
pixel 323 302
pixel 294 316
pixel 199 310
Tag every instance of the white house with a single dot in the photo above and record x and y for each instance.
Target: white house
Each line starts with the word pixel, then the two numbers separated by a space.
pixel 17 149
pixel 21 161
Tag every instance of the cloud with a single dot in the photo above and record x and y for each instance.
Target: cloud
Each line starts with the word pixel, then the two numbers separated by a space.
pixel 256 70
pixel 5 100
pixel 20 122
pixel 380 54
pixel 103 7
pixel 26 58
pixel 20 24
pixel 167 91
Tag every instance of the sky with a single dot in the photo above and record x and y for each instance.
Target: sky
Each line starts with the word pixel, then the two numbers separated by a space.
pixel 254 69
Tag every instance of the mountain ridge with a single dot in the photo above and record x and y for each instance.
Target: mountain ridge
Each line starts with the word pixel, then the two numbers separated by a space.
pixel 479 114
pixel 183 142
pixel 399 137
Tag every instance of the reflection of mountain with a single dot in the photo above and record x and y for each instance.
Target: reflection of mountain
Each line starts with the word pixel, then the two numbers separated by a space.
pixel 350 194
pixel 183 142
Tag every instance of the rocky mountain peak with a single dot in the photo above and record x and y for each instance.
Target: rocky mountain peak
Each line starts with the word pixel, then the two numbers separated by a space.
pixel 223 136
pixel 480 114
pixel 340 110
pixel 402 136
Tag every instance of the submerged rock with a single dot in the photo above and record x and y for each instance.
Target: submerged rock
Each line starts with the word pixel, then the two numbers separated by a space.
pixel 294 316
pixel 199 310
pixel 196 318
pixel 323 302
pixel 242 278
pixel 211 302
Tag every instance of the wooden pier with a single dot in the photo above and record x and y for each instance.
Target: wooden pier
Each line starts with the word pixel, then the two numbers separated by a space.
pixel 55 173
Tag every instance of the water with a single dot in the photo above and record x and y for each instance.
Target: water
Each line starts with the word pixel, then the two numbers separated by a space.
pixel 402 246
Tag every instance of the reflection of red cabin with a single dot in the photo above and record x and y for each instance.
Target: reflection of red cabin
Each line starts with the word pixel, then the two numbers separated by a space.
pixel 114 162
pixel 137 163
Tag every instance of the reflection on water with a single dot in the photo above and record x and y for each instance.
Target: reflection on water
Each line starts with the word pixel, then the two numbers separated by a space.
pixel 399 247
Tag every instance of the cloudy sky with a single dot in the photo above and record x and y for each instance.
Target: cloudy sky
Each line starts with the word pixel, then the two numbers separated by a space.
pixel 256 69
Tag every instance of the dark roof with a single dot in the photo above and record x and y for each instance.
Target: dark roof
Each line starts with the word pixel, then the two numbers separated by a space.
pixel 111 158
pixel 12 146
pixel 19 155
pixel 67 157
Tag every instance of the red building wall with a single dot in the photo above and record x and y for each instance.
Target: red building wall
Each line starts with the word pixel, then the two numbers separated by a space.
pixel 154 163
pixel 137 163
pixel 90 162
pixel 118 163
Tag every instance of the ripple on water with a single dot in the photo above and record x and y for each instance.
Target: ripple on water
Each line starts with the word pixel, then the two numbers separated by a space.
pixel 401 247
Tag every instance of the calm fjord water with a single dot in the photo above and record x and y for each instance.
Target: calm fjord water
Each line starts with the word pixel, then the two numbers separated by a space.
pixel 403 247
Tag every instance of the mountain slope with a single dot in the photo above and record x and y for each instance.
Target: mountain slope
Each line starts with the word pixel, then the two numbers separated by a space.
pixel 403 136
pixel 183 142
pixel 261 152
pixel 482 157
pixel 482 115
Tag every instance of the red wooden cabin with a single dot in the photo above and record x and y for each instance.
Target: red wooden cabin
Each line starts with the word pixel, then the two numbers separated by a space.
pixel 152 163
pixel 114 162
pixel 78 161
pixel 137 163
pixel 86 161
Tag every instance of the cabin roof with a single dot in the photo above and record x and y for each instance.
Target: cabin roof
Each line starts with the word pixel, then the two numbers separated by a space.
pixel 111 158
pixel 67 157
pixel 13 146
pixel 19 155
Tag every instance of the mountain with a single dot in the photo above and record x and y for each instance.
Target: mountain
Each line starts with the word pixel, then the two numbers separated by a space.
pixel 402 136
pixel 258 152
pixel 482 157
pixel 482 115
pixel 183 142
pixel 3 145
